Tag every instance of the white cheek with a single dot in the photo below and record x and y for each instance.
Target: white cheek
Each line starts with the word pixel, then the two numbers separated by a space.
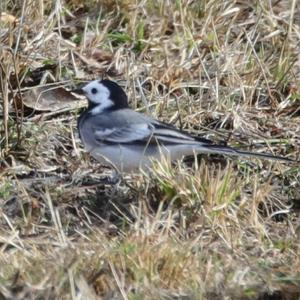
pixel 98 98
pixel 102 106
pixel 101 98
pixel 104 97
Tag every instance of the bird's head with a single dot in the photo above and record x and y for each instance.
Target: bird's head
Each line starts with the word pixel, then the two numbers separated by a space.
pixel 103 95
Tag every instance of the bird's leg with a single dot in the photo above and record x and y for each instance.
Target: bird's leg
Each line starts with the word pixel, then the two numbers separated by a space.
pixel 113 179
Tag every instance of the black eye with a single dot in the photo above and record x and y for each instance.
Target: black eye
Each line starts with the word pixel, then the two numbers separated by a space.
pixel 94 91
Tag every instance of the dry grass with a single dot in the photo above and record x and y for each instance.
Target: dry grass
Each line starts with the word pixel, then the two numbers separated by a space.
pixel 214 228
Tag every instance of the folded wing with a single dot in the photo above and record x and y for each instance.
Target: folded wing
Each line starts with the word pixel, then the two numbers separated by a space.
pixel 145 132
pixel 125 134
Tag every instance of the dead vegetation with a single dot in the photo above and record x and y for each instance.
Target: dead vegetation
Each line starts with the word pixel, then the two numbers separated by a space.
pixel 214 228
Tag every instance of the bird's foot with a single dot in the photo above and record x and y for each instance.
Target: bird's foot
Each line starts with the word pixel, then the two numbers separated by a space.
pixel 111 180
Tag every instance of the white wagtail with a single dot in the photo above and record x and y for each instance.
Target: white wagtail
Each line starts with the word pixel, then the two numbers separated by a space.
pixel 112 132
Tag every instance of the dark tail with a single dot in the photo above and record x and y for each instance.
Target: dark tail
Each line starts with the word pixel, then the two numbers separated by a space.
pixel 218 149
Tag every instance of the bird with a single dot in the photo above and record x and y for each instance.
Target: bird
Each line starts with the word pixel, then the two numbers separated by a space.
pixel 115 134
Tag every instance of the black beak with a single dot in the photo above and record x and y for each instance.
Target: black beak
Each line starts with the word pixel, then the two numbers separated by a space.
pixel 78 91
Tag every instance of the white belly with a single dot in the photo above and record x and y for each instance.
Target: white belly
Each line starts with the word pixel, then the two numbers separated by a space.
pixel 131 159
pixel 124 159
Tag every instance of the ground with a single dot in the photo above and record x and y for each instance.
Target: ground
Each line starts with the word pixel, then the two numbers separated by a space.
pixel 210 227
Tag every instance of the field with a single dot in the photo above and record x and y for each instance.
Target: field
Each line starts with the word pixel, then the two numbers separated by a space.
pixel 208 227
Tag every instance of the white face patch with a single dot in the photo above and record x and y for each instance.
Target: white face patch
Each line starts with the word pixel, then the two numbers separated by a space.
pixel 99 94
